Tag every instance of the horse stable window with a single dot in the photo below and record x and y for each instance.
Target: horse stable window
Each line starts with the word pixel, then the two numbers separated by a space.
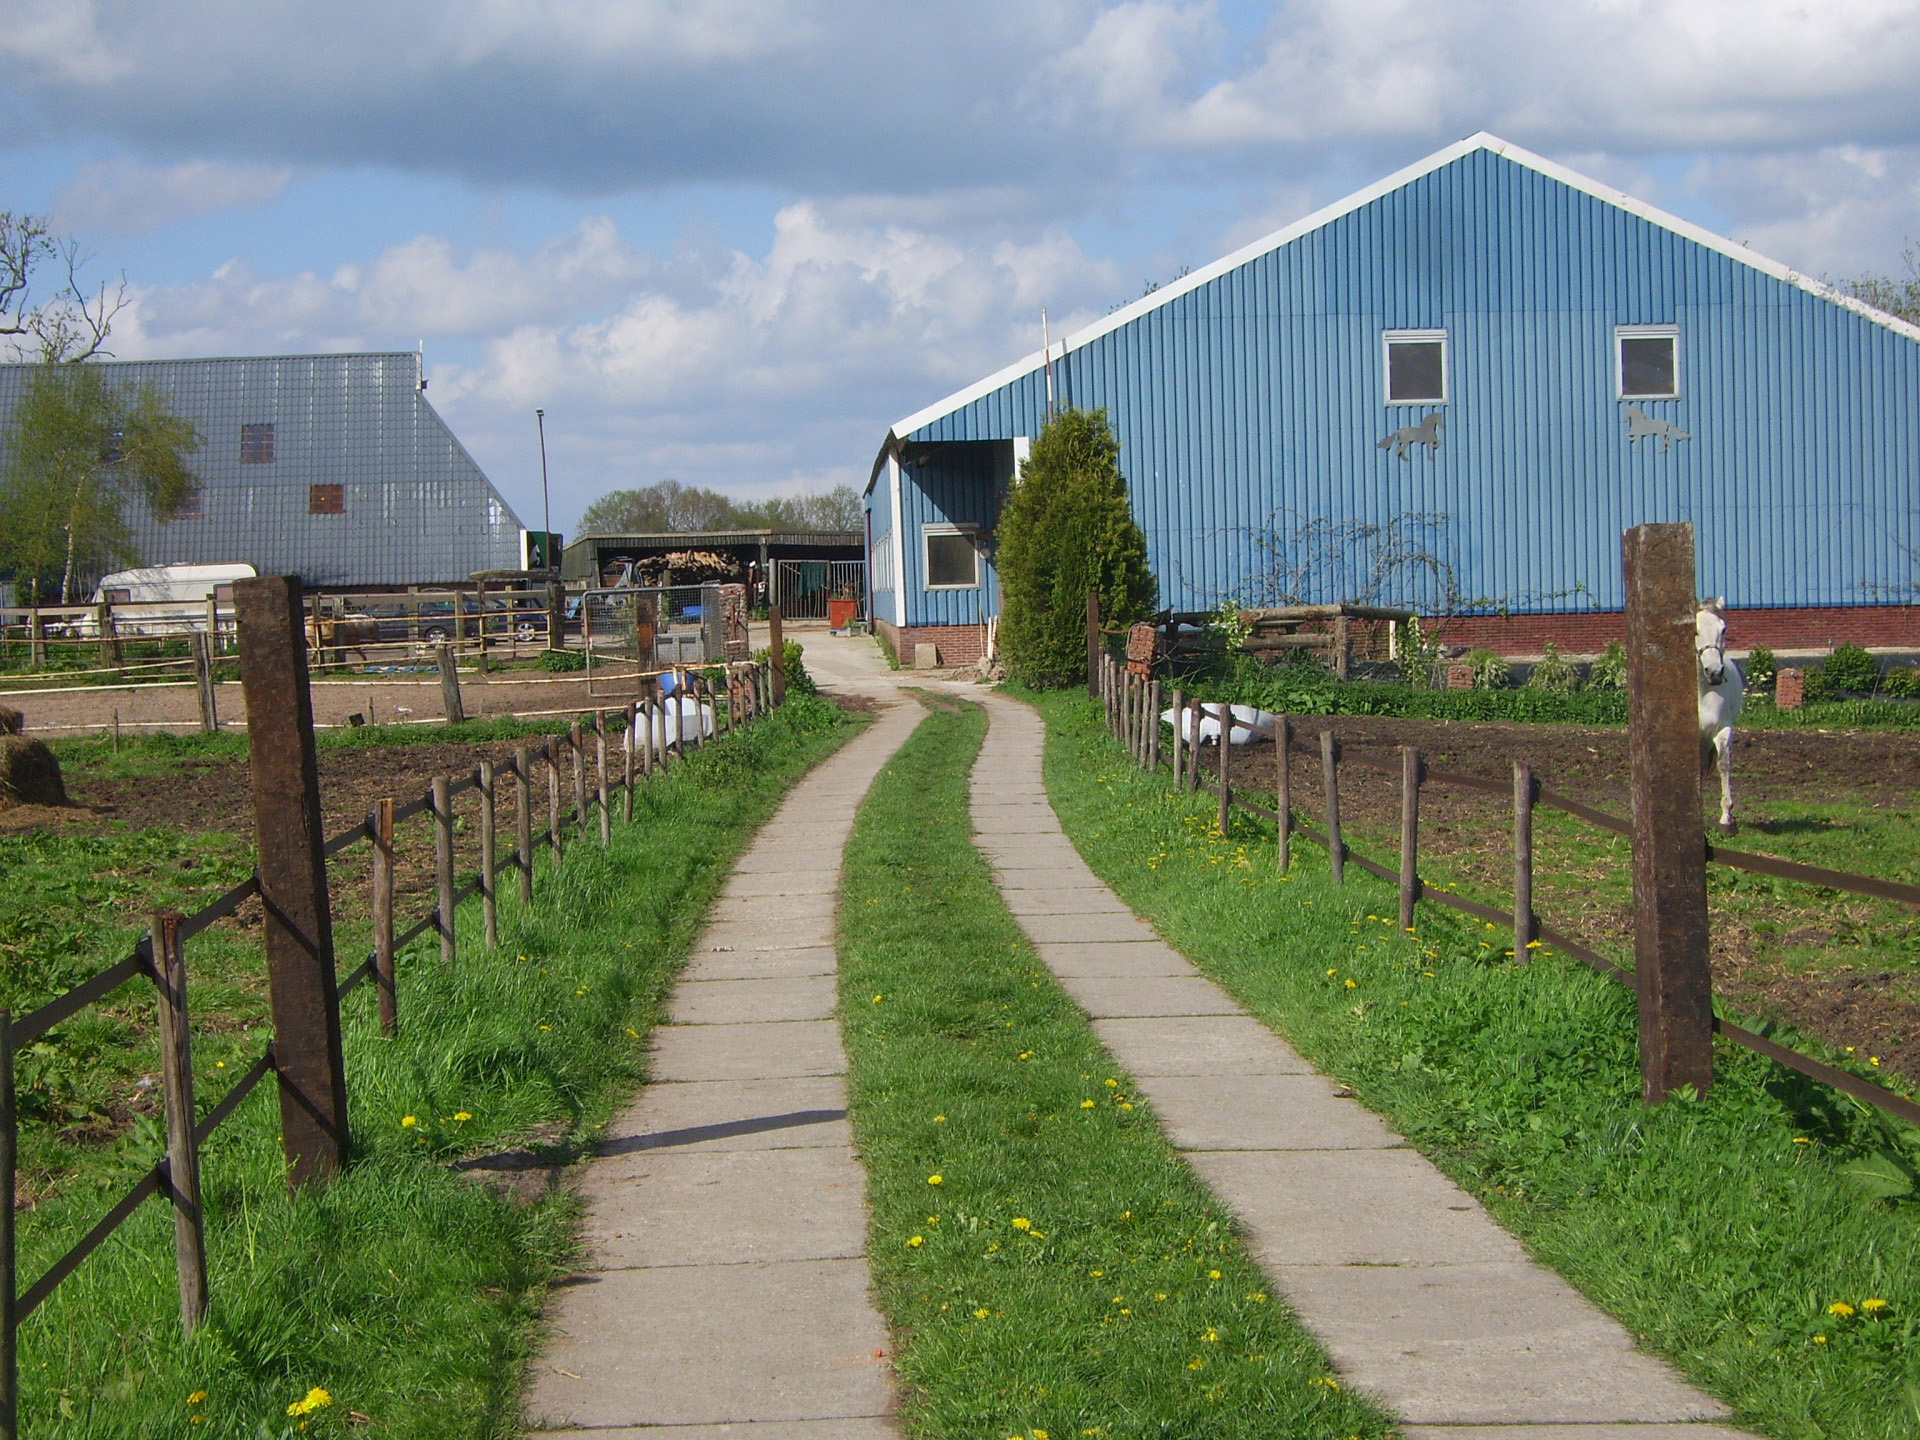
pixel 256 444
pixel 326 499
pixel 1649 361
pixel 953 558
pixel 1416 366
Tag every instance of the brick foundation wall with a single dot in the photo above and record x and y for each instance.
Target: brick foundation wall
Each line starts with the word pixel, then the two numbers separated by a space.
pixel 958 644
pixel 1814 628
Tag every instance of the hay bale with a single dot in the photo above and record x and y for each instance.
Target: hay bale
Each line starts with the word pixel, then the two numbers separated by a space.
pixel 12 722
pixel 29 773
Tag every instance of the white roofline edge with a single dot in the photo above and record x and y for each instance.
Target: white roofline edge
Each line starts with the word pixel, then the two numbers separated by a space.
pixel 1326 214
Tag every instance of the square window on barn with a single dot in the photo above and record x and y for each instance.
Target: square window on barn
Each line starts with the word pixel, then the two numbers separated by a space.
pixel 326 499
pixel 256 444
pixel 953 559
pixel 1416 367
pixel 1649 357
pixel 192 505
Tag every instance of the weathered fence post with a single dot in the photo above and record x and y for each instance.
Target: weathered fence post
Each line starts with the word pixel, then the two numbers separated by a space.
pixel 553 796
pixel 777 653
pixel 600 775
pixel 1179 718
pixel 1524 929
pixel 1226 748
pixel 633 717
pixel 1283 790
pixel 657 727
pixel 1153 725
pixel 443 865
pixel 305 996
pixel 201 644
pixel 36 638
pixel 1409 833
pixel 450 684
pixel 523 820
pixel 1330 782
pixel 1197 713
pixel 176 1083
pixel 109 641
pixel 1669 852
pixel 380 831
pixel 1094 648
pixel 9 1266
pixel 576 745
pixel 489 900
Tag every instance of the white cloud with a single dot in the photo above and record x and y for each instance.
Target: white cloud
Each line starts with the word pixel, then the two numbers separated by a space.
pixel 1838 212
pixel 128 198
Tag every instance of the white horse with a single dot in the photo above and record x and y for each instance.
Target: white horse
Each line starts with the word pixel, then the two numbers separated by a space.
pixel 1722 691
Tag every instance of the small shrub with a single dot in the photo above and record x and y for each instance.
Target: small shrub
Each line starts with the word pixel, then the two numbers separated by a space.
pixel 562 662
pixel 1423 659
pixel 1553 672
pixel 799 682
pixel 1901 684
pixel 1759 667
pixel 1490 672
pixel 1609 671
pixel 1851 669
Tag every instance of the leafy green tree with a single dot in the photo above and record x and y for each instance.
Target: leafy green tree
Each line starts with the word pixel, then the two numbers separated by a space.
pixel 78 454
pixel 669 508
pixel 1897 295
pixel 1067 529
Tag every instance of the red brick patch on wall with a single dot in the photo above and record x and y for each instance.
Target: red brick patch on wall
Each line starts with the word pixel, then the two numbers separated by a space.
pixel 958 644
pixel 1814 628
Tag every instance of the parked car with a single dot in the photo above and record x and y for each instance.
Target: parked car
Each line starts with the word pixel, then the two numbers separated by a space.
pixel 431 619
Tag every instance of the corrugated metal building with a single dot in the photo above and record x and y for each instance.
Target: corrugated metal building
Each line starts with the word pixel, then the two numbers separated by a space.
pixel 1488 349
pixel 331 467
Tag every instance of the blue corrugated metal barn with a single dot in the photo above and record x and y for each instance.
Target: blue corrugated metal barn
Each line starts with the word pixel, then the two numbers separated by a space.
pixel 331 467
pixel 1490 349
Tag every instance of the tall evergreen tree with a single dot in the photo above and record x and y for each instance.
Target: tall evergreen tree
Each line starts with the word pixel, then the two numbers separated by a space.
pixel 77 455
pixel 1067 529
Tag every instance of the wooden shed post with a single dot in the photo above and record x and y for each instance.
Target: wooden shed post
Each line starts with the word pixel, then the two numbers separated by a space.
pixel 183 1154
pixel 304 992
pixel 1669 851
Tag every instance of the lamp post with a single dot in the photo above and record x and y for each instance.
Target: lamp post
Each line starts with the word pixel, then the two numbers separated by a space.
pixel 546 505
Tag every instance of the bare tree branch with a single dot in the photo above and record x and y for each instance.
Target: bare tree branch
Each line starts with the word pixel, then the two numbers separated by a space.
pixel 69 323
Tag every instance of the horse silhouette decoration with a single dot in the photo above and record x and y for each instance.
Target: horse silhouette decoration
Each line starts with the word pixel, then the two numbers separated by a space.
pixel 1426 433
pixel 1722 691
pixel 1640 425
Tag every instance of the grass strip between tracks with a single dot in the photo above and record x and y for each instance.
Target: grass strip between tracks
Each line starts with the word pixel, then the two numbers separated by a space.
pixel 1050 1268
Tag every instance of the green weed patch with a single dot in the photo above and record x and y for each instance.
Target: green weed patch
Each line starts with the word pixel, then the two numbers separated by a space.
pixel 1049 1266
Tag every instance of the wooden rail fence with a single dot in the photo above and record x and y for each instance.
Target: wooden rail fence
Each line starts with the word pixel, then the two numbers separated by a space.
pixel 1133 710
pixel 744 692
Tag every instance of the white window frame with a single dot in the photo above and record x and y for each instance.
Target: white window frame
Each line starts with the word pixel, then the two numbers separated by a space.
pixel 928 532
pixel 1390 338
pixel 1624 333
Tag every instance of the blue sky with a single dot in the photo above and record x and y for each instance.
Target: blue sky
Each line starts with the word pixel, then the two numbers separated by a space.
pixel 729 242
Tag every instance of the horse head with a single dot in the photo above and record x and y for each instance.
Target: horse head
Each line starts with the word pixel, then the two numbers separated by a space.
pixel 1710 641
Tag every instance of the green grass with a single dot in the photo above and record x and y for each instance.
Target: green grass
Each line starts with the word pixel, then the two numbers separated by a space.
pixel 404 1290
pixel 1720 1231
pixel 1047 1263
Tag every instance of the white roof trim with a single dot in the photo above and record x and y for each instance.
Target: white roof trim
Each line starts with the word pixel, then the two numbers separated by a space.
pixel 1326 215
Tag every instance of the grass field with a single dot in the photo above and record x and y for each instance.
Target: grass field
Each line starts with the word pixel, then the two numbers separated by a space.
pixel 1734 1235
pixel 404 1291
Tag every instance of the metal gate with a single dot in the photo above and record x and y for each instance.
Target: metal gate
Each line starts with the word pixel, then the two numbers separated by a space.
pixel 802 588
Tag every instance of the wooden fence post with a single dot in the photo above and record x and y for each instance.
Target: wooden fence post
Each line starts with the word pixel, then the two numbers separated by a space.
pixel 777 653
pixel 450 683
pixel 1226 749
pixel 628 740
pixel 303 986
pixel 1196 713
pixel 1283 790
pixel 380 830
pixel 1330 782
pixel 1095 650
pixel 201 644
pixel 523 820
pixel 1524 926
pixel 1409 833
pixel 1153 725
pixel 1669 852
pixel 109 642
pixel 600 775
pixel 36 638
pixel 576 746
pixel 9 1260
pixel 176 1083
pixel 443 864
pixel 489 900
pixel 1179 718
pixel 553 797
pixel 657 728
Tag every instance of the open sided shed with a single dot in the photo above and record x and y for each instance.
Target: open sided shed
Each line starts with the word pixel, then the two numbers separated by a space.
pixel 1487 351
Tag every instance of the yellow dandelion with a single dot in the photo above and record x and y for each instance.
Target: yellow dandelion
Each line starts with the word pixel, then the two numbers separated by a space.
pixel 981 1313
pixel 1352 984
pixel 939 1119
pixel 1021 1222
pixel 878 998
pixel 1086 1104
pixel 1873 1305
pixel 1819 1339
pixel 407 1122
pixel 196 1397
pixel 463 1115
pixel 934 1179
pixel 1112 1083
pixel 1196 1363
pixel 1840 1308
pixel 1803 1140
pixel 315 1399
pixel 1212 1337
pixel 914 1242
pixel 1213 1274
